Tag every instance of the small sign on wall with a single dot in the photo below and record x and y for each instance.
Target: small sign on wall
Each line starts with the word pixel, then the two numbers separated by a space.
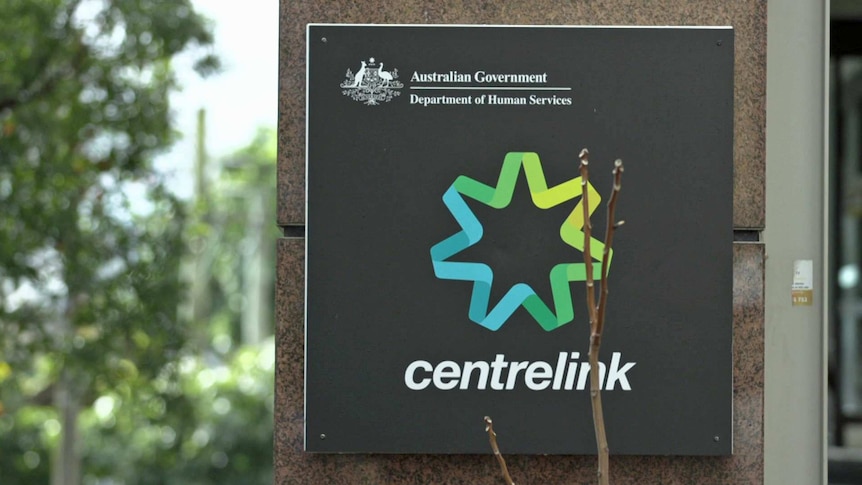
pixel 802 290
pixel 445 273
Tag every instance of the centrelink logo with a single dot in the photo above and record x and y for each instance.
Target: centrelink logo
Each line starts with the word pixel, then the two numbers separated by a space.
pixel 504 373
pixel 482 275
pixel 371 84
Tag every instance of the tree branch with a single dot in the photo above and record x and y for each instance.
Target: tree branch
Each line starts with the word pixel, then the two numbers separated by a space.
pixel 597 313
pixel 609 240
pixel 595 337
pixel 492 437
pixel 588 233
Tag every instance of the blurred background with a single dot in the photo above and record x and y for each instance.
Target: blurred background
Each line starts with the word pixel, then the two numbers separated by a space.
pixel 137 232
pixel 845 244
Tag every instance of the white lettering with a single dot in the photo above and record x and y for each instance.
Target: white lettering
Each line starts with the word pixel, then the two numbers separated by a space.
pixel 411 371
pixel 483 77
pixel 435 100
pixel 440 77
pixel 498 365
pixel 446 370
pixel 468 371
pixel 513 373
pixel 552 100
pixel 561 369
pixel 568 374
pixel 617 374
pixel 539 371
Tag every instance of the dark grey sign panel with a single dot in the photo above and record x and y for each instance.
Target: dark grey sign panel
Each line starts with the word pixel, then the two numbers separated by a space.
pixel 445 267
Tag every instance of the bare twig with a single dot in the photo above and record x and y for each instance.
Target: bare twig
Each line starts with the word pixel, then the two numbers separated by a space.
pixel 597 313
pixel 595 338
pixel 596 316
pixel 588 232
pixel 609 240
pixel 492 437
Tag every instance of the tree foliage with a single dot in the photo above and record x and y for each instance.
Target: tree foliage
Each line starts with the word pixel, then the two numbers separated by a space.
pixel 91 243
pixel 88 235
pixel 232 228
pixel 196 424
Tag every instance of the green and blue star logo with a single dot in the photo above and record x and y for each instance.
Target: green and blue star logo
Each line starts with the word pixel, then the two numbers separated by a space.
pixel 482 275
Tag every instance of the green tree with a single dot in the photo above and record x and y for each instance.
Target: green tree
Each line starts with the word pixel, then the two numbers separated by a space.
pixel 207 417
pixel 212 425
pixel 232 236
pixel 90 240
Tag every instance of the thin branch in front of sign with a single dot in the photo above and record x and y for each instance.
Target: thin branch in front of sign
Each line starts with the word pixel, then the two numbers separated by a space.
pixel 492 437
pixel 609 239
pixel 597 312
pixel 596 316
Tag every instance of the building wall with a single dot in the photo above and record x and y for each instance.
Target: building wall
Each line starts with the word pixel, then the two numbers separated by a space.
pixel 795 230
pixel 748 17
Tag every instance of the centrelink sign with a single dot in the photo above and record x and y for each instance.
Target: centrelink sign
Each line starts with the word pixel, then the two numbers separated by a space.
pixel 445 270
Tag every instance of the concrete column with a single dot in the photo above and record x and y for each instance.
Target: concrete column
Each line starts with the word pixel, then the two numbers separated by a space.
pixel 795 230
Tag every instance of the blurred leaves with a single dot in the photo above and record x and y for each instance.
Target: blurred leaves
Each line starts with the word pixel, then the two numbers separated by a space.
pixel 199 424
pixel 91 251
pixel 232 231
pixel 90 240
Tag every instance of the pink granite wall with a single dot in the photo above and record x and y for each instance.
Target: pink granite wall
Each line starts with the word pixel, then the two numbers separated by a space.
pixel 293 466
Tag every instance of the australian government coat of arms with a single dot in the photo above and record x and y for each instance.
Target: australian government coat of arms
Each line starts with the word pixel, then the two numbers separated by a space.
pixel 372 84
